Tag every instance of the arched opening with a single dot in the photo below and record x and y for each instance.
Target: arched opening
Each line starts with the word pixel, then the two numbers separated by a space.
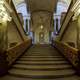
pixel 41 37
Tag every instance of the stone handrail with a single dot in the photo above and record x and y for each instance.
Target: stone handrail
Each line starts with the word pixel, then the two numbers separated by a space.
pixel 70 53
pixel 14 52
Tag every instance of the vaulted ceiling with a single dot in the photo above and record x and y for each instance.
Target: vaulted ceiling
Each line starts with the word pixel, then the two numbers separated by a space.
pixel 38 5
pixel 41 11
pixel 18 2
pixel 41 5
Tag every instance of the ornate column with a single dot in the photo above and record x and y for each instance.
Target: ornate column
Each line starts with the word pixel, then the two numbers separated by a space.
pixel 28 25
pixel 54 25
pixel 59 23
pixel 24 24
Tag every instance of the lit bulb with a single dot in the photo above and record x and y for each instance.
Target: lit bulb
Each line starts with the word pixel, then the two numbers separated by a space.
pixel 41 27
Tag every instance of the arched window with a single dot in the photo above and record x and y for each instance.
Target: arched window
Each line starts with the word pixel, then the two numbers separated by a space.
pixel 62 6
pixel 21 7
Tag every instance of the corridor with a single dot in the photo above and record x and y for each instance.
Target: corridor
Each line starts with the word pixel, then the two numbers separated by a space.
pixel 41 62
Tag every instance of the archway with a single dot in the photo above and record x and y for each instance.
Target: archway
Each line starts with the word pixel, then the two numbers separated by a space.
pixel 41 38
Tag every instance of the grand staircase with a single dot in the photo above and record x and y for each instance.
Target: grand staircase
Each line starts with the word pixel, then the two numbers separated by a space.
pixel 41 62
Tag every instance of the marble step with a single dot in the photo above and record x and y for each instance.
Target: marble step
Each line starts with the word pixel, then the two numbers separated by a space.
pixel 41 74
pixel 41 53
pixel 41 59
pixel 39 67
pixel 12 77
pixel 42 56
pixel 42 62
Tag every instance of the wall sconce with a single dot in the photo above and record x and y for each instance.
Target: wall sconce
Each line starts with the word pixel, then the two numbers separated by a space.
pixel 4 15
pixel 76 10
